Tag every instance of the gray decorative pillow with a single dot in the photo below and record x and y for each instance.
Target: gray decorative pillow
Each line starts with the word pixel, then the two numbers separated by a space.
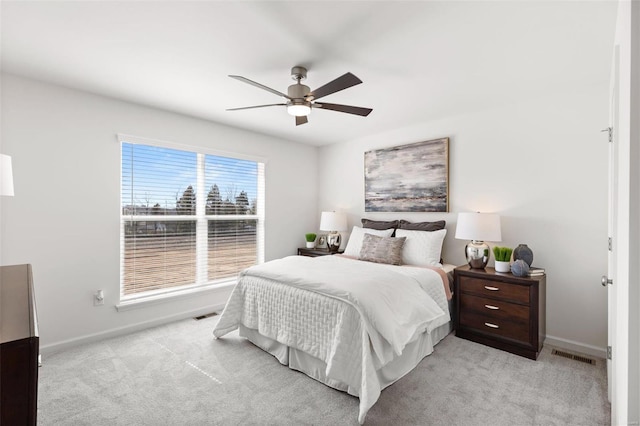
pixel 379 224
pixel 382 249
pixel 422 226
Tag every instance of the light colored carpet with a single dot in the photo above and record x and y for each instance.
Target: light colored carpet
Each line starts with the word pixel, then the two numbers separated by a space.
pixel 178 374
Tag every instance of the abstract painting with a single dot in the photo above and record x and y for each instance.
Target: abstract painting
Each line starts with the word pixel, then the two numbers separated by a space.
pixel 408 178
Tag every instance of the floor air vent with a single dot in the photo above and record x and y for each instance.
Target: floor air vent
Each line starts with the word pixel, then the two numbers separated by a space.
pixel 574 357
pixel 201 317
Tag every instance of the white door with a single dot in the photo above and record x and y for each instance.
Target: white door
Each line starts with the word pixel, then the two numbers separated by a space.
pixel 611 226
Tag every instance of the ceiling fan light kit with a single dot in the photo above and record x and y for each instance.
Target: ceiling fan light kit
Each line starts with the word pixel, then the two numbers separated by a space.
pixel 299 109
pixel 300 98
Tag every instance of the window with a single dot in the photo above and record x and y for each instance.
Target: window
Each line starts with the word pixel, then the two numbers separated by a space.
pixel 188 219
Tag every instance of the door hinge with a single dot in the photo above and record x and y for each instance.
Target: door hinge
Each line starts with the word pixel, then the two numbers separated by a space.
pixel 609 130
pixel 610 244
pixel 609 350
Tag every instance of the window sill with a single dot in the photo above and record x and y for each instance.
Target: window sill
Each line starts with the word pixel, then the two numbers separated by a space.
pixel 143 302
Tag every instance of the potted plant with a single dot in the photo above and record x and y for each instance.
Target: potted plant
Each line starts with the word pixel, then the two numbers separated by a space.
pixel 311 240
pixel 503 256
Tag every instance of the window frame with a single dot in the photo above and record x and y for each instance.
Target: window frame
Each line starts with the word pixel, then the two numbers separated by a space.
pixel 200 218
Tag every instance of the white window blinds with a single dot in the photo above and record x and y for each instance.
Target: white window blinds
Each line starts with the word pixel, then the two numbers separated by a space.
pixel 187 218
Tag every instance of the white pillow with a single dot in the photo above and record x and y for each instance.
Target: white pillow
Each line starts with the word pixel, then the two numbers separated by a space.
pixel 422 248
pixel 354 245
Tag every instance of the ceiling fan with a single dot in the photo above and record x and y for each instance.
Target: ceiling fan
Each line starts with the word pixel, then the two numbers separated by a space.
pixel 300 99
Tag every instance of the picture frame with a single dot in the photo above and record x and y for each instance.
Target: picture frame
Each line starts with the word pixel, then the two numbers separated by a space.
pixel 322 241
pixel 408 178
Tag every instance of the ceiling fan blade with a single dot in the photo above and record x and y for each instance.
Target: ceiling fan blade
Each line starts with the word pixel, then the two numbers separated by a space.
pixel 301 119
pixel 340 83
pixel 261 86
pixel 344 108
pixel 256 106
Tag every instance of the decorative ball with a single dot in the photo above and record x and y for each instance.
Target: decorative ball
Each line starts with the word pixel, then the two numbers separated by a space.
pixel 523 252
pixel 519 268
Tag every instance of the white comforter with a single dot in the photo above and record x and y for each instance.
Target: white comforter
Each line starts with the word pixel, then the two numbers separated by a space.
pixel 379 310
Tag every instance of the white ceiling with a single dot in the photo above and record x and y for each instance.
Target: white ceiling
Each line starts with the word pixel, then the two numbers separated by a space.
pixel 419 61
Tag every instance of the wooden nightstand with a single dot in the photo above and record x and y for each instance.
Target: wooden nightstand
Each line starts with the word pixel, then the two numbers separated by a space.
pixel 315 252
pixel 501 310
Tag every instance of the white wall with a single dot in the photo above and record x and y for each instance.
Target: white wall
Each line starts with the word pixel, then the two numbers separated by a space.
pixel 634 294
pixel 540 164
pixel 634 134
pixel 64 218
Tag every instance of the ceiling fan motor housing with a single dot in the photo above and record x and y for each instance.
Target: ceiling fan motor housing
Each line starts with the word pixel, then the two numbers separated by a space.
pixel 298 91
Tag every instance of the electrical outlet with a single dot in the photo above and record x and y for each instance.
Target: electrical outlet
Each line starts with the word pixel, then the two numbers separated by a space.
pixel 98 298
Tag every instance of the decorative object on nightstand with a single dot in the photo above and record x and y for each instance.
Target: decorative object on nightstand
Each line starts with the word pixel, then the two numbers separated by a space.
pixel 334 223
pixel 500 310
pixel 478 227
pixel 535 272
pixel 523 252
pixel 311 240
pixel 502 256
pixel 520 268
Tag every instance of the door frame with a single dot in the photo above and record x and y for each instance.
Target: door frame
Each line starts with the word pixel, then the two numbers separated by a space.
pixel 611 217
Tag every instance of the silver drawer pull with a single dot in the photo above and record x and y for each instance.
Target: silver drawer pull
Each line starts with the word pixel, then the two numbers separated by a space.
pixel 495 308
pixel 491 288
pixel 488 324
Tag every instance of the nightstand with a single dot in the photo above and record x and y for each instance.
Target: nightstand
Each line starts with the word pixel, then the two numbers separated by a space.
pixel 315 252
pixel 501 310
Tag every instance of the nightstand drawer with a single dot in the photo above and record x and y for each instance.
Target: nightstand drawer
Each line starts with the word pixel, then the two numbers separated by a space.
pixel 499 327
pixel 315 252
pixel 496 309
pixel 495 289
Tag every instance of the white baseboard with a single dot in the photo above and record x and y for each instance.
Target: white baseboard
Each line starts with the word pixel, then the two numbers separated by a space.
pixel 120 331
pixel 573 346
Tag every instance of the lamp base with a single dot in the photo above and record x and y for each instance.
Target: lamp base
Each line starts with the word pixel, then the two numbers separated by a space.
pixel 333 241
pixel 477 253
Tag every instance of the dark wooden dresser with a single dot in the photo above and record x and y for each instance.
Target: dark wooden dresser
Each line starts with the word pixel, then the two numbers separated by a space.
pixel 19 347
pixel 501 310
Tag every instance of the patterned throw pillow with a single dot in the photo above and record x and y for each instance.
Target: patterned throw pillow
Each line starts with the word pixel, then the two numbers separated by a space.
pixel 382 249
pixel 357 234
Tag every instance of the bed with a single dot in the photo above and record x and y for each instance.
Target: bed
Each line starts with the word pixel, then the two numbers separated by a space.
pixel 353 323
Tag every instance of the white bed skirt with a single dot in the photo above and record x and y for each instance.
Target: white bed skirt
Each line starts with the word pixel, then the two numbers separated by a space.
pixel 315 368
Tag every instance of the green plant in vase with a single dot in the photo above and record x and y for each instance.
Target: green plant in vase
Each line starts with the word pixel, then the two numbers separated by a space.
pixel 503 256
pixel 311 239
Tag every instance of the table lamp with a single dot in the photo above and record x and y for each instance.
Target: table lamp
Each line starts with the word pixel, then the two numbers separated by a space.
pixel 333 223
pixel 478 227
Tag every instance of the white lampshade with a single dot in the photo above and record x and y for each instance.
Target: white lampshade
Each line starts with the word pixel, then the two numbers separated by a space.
pixel 6 174
pixel 478 227
pixel 332 221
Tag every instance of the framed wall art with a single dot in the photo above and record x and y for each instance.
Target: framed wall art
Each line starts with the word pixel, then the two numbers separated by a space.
pixel 408 178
